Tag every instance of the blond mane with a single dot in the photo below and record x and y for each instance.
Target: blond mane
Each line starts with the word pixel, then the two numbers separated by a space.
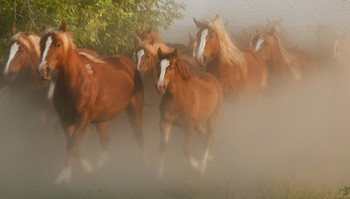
pixel 153 43
pixel 67 40
pixel 228 52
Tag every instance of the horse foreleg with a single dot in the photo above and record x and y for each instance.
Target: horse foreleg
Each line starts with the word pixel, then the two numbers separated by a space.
pixel 165 131
pixel 102 129
pixel 187 146
pixel 74 135
pixel 211 127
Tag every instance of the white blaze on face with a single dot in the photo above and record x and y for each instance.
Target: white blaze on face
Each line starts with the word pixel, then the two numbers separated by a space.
pixel 140 53
pixel 13 51
pixel 258 44
pixel 202 44
pixel 163 65
pixel 195 44
pixel 336 44
pixel 47 47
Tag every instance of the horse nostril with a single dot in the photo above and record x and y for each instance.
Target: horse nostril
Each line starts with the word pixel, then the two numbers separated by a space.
pixel 204 58
pixel 163 87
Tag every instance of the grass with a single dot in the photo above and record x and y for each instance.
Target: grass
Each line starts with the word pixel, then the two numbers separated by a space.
pixel 295 190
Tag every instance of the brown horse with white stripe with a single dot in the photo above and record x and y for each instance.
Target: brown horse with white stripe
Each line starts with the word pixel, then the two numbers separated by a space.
pixel 21 75
pixel 189 100
pixel 292 64
pixel 89 90
pixel 242 73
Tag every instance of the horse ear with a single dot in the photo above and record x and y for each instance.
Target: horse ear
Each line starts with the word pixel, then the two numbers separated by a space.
pixel 159 53
pixel 175 53
pixel 63 25
pixel 13 31
pixel 198 23
pixel 217 17
pixel 45 26
pixel 256 30
pixel 137 40
pixel 272 31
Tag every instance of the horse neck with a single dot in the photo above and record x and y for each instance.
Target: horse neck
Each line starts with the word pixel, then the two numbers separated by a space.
pixel 177 87
pixel 226 72
pixel 281 56
pixel 72 74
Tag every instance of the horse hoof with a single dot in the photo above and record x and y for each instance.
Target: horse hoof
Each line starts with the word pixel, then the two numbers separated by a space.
pixel 64 176
pixel 103 160
pixel 194 163
pixel 87 167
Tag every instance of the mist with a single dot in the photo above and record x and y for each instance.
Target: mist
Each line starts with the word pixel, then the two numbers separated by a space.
pixel 293 134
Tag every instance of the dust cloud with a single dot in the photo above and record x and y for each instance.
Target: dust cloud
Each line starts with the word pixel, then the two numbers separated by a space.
pixel 294 133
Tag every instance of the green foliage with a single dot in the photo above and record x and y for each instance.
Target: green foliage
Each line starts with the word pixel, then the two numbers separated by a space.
pixel 344 193
pixel 106 26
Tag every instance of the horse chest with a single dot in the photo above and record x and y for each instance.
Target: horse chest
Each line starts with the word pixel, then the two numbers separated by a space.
pixel 180 109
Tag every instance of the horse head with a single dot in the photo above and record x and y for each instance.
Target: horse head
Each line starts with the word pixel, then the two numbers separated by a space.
pixel 168 65
pixel 208 41
pixel 54 45
pixel 23 53
pixel 265 44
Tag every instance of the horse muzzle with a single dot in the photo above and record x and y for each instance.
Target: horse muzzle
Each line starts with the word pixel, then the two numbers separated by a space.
pixel 10 75
pixel 161 87
pixel 202 60
pixel 44 73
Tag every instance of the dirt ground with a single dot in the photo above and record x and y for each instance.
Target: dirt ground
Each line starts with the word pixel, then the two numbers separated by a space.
pixel 292 133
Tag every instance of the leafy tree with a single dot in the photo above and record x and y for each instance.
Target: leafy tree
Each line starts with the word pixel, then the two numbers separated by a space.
pixel 106 26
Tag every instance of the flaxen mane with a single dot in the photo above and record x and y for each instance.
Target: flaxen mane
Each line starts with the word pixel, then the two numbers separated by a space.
pixel 287 57
pixel 228 52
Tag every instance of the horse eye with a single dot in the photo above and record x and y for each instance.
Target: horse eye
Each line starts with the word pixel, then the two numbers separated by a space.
pixel 21 51
pixel 267 43
pixel 58 45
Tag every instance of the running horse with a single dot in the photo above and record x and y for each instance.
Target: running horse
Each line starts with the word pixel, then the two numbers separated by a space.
pixel 292 64
pixel 240 72
pixel 146 52
pixel 21 74
pixel 189 100
pixel 89 90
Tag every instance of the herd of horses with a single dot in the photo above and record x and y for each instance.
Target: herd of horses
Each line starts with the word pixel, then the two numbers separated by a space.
pixel 193 80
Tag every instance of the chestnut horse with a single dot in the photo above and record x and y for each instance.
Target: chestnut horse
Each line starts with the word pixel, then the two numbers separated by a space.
pixel 291 64
pixel 240 72
pixel 146 52
pixel 22 77
pixel 189 100
pixel 89 90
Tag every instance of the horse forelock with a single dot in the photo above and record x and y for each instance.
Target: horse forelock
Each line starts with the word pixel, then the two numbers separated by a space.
pixel 28 39
pixel 228 52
